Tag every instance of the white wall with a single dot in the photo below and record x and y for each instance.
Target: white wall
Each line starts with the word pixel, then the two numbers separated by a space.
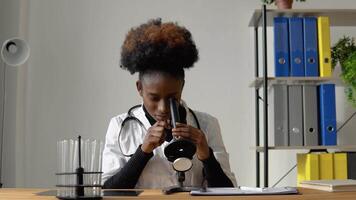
pixel 73 84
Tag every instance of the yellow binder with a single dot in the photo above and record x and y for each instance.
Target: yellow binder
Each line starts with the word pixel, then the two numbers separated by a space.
pixel 340 166
pixel 307 167
pixel 326 170
pixel 324 46
pixel 301 160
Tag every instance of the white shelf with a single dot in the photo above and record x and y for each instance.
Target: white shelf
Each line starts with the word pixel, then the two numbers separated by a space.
pixel 338 17
pixel 337 147
pixel 258 82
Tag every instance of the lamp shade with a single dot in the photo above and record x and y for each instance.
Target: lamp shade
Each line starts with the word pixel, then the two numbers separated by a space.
pixel 15 51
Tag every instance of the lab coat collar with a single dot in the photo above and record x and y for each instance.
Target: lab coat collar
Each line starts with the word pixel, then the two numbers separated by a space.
pixel 140 115
pixel 190 118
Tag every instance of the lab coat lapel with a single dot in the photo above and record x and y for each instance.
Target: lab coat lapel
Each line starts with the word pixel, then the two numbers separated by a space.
pixel 140 114
pixel 190 119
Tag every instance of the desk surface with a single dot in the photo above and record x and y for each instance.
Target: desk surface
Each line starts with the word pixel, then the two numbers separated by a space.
pixel 305 194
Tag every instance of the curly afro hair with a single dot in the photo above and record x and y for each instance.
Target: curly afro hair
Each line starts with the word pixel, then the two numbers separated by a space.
pixel 157 46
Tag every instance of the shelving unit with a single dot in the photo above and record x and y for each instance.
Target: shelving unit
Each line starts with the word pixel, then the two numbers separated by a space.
pixel 258 82
pixel 337 147
pixel 261 19
pixel 338 17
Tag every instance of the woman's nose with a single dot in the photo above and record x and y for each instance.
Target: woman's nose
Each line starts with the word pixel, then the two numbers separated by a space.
pixel 163 106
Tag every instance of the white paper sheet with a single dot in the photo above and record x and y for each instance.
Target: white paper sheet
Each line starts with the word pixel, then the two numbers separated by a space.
pixel 244 191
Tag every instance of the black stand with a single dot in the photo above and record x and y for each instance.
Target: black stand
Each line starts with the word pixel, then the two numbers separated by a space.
pixel 79 186
pixel 179 187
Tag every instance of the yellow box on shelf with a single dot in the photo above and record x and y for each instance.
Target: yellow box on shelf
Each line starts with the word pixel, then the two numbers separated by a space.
pixel 326 166
pixel 340 166
pixel 324 46
pixel 307 167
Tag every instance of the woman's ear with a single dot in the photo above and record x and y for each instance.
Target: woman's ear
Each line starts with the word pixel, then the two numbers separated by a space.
pixel 139 87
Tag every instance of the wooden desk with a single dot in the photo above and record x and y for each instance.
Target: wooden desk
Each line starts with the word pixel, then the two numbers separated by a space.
pixel 305 194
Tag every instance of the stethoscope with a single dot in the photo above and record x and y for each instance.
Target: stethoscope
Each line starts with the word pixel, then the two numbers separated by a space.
pixel 131 117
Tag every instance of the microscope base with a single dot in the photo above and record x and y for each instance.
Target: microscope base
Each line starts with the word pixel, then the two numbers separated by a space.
pixel 177 188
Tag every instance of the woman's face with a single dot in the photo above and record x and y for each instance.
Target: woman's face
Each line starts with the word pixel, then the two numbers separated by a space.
pixel 155 90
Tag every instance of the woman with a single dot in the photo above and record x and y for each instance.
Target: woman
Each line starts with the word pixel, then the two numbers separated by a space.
pixel 160 52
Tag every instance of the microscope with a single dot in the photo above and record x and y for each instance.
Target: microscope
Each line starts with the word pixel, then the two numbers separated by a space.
pixel 180 152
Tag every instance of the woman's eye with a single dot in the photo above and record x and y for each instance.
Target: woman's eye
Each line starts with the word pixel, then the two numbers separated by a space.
pixel 154 99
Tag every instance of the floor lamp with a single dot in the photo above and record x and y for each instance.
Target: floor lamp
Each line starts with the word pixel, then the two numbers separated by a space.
pixel 14 52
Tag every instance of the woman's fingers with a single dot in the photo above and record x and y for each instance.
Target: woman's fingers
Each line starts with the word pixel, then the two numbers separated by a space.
pixel 155 136
pixel 187 132
pixel 196 136
pixel 181 133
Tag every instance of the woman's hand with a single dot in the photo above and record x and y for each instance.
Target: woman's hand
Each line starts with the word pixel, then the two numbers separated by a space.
pixel 196 136
pixel 155 136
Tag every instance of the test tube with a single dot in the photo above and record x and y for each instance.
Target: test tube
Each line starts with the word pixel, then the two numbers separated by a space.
pixel 86 166
pixel 59 167
pixel 99 168
pixel 64 166
pixel 71 177
pixel 92 165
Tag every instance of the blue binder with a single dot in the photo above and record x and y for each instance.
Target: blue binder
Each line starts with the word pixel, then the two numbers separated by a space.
pixel 281 46
pixel 327 112
pixel 311 60
pixel 296 48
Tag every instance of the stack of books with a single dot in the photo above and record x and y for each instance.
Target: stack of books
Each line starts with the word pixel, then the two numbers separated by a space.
pixel 330 185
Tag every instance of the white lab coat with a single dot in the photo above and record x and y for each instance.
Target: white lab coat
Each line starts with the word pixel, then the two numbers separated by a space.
pixel 158 172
